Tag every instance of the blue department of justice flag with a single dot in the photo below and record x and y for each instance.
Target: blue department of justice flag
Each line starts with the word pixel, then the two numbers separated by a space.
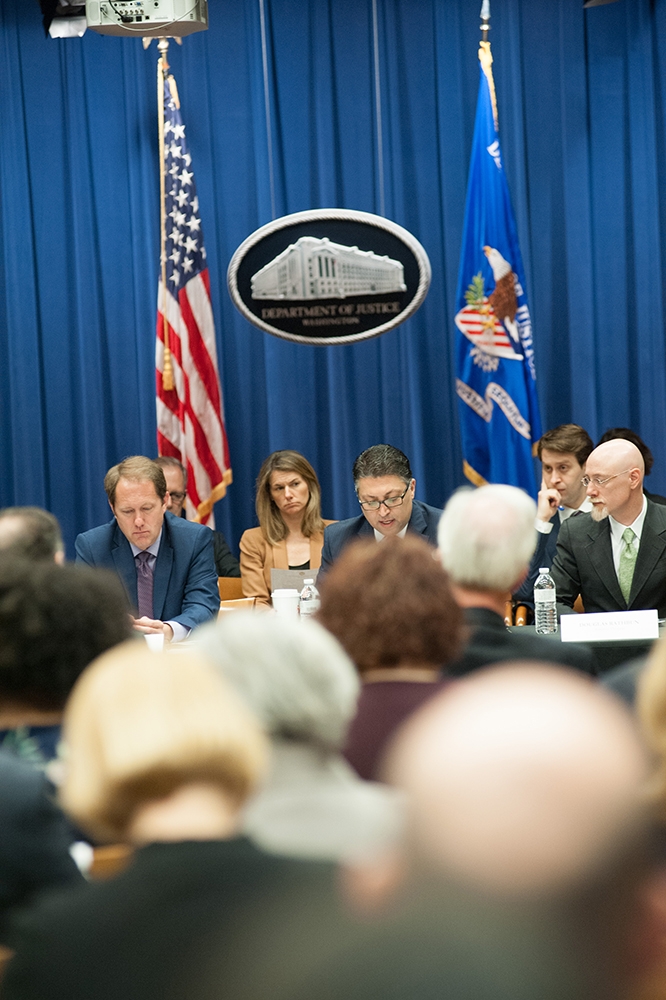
pixel 496 380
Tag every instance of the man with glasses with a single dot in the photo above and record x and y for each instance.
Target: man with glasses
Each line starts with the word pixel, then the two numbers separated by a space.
pixel 175 474
pixel 385 489
pixel 613 556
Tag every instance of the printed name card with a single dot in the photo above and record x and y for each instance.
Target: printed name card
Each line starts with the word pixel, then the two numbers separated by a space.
pixel 619 625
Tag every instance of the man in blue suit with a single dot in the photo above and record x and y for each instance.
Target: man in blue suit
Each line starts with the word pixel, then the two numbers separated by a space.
pixel 385 489
pixel 165 563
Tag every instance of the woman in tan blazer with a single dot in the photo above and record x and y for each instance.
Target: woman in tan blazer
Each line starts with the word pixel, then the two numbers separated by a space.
pixel 291 529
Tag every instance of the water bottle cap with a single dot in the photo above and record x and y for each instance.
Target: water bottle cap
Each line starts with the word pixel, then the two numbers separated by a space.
pixel 308 581
pixel 542 569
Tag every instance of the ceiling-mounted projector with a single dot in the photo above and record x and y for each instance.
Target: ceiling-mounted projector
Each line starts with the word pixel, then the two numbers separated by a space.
pixel 147 18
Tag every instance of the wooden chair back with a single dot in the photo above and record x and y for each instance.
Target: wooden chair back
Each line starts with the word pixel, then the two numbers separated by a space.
pixel 230 588
pixel 242 604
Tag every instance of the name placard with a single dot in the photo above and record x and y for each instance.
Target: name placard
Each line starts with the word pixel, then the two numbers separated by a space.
pixel 618 625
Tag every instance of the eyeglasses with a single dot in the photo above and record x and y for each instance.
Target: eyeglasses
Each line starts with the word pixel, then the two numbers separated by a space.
pixel 178 497
pixel 600 482
pixel 388 502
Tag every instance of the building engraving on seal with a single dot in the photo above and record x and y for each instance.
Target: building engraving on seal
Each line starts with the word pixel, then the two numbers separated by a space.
pixel 315 268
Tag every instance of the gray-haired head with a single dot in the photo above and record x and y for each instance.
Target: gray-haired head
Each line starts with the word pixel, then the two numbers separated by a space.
pixel 294 675
pixel 31 533
pixel 486 537
pixel 382 460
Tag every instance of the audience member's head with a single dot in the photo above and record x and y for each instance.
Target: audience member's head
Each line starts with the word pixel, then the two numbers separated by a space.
pixel 530 850
pixel 31 533
pixel 294 675
pixel 141 727
pixel 175 475
pixel 651 708
pixel 391 605
pixel 524 780
pixel 53 621
pixel 486 537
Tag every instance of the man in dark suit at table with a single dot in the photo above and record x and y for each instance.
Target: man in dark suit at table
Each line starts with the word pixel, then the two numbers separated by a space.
pixel 486 540
pixel 175 474
pixel 165 563
pixel 614 556
pixel 385 489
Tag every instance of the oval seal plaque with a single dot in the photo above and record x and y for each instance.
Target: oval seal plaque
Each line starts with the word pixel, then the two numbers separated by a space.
pixel 329 276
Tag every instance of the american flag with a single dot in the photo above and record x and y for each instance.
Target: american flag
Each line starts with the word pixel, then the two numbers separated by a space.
pixel 190 420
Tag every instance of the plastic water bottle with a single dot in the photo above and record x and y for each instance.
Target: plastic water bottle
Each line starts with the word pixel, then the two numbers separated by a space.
pixel 309 600
pixel 545 603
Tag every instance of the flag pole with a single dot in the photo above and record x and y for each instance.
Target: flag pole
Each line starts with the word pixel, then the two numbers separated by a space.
pixel 162 70
pixel 485 57
pixel 485 20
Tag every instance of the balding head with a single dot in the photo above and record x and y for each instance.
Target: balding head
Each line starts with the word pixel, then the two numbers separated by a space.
pixel 31 533
pixel 615 471
pixel 524 780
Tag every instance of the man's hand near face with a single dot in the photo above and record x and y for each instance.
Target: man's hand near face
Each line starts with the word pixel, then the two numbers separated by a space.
pixel 548 500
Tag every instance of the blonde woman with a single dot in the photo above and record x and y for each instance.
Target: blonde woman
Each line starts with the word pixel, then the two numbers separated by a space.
pixel 291 529
pixel 162 755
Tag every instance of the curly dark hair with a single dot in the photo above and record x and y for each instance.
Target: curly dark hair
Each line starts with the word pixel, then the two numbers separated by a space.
pixel 54 620
pixel 390 603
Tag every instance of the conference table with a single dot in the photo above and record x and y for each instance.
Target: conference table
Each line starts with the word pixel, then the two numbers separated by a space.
pixel 608 653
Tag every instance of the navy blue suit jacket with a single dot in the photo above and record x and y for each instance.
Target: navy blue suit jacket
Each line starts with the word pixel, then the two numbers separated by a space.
pixel 424 521
pixel 184 582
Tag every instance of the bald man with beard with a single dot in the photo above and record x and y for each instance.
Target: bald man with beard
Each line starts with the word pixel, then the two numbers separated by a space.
pixel 613 569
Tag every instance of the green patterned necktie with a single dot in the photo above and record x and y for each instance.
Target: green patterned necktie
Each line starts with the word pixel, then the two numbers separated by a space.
pixel 627 563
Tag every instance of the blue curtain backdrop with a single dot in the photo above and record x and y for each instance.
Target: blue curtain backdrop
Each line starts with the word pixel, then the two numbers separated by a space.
pixel 581 102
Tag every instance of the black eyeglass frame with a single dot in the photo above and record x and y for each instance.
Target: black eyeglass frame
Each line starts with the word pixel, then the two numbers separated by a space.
pixel 388 502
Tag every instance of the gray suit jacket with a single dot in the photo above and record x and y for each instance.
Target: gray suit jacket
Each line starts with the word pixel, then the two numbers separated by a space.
pixel 584 565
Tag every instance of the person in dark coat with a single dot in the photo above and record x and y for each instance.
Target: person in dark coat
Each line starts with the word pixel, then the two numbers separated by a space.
pixel 486 541
pixel 35 841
